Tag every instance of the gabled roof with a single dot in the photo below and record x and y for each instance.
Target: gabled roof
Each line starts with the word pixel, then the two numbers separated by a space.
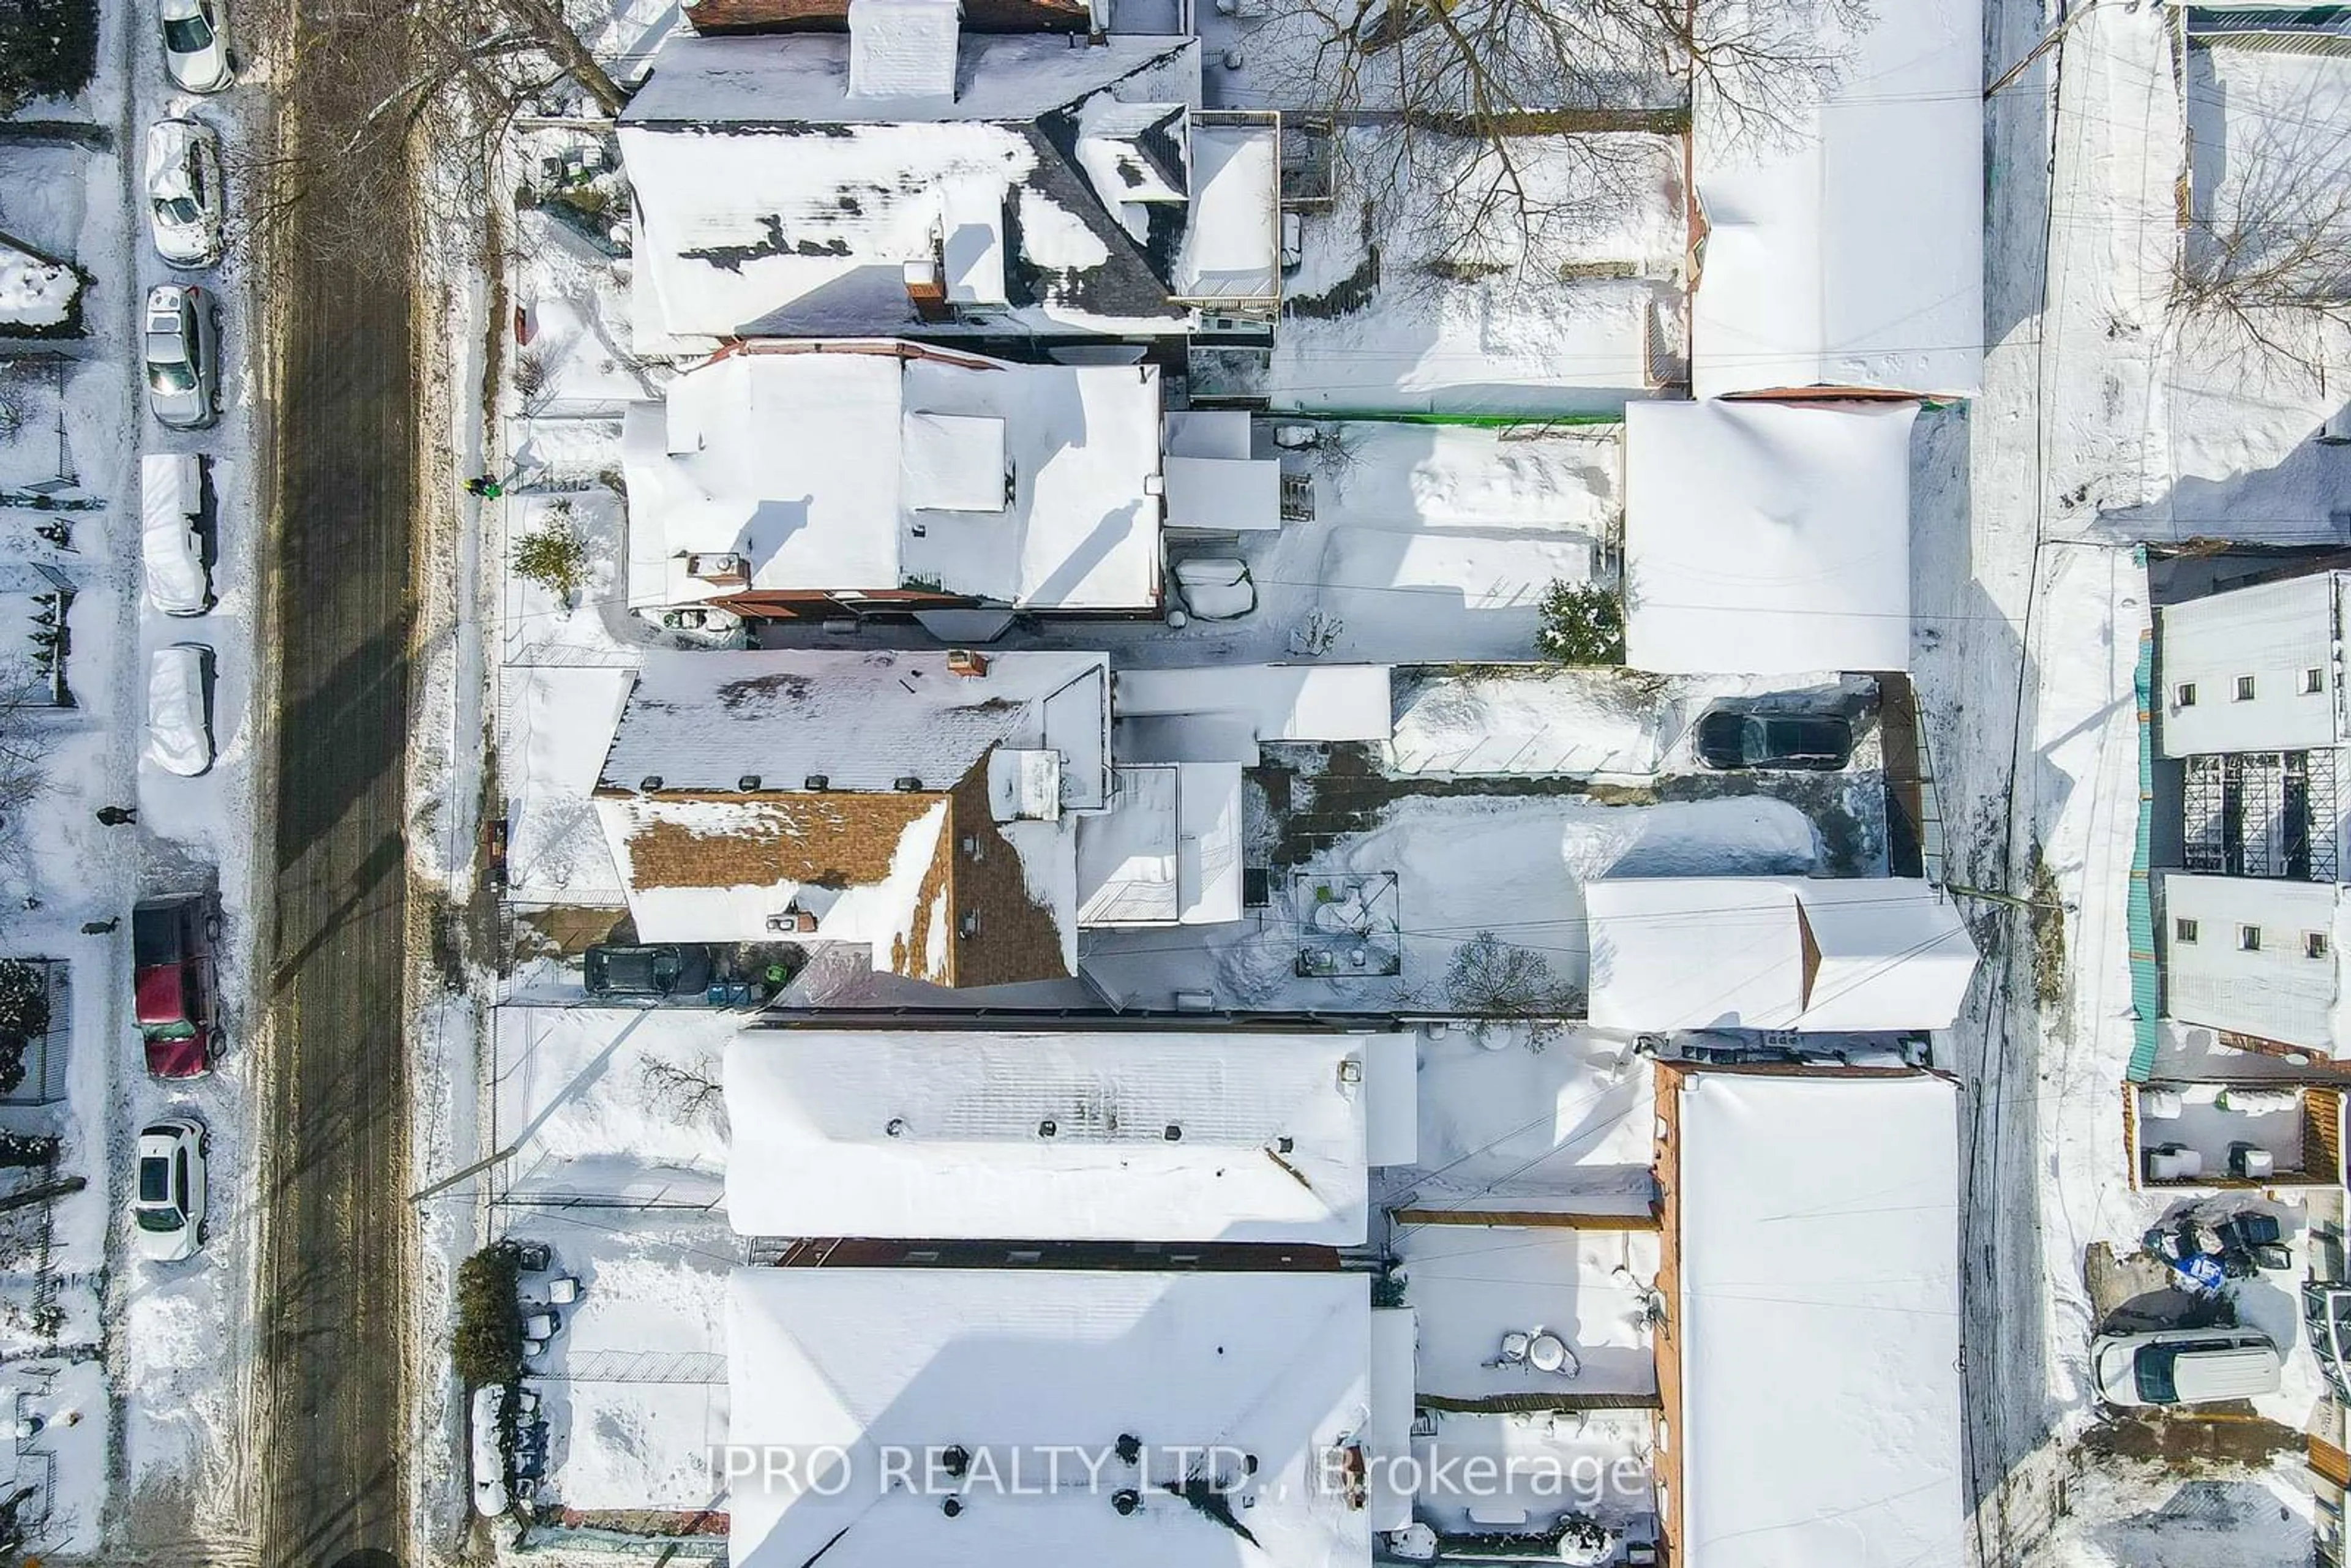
pixel 1008 1364
pixel 874 466
pixel 943 1136
pixel 1865 954
pixel 772 201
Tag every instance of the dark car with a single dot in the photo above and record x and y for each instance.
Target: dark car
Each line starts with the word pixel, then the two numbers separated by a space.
pixel 174 991
pixel 665 969
pixel 1727 739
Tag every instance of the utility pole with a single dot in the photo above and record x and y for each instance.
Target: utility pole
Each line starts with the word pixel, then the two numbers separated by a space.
pixel 2043 46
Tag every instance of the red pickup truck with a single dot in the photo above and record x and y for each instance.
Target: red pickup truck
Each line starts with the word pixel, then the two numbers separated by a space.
pixel 174 989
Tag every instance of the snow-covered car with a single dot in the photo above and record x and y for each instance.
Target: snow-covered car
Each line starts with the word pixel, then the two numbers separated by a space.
pixel 169 1203
pixel 2184 1366
pixel 182 352
pixel 196 45
pixel 185 206
pixel 171 498
pixel 179 708
pixel 1216 588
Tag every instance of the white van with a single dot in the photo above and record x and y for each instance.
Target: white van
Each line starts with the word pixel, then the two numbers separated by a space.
pixel 2184 1366
pixel 171 498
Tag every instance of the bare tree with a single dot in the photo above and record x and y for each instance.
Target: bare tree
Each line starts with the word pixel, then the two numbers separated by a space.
pixel 2264 263
pixel 1489 979
pixel 381 83
pixel 690 1091
pixel 1458 88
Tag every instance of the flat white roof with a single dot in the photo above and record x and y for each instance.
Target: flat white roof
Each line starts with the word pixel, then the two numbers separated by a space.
pixel 1008 1364
pixel 1282 702
pixel 1819 954
pixel 875 466
pixel 1766 539
pixel 1819 1322
pixel 940 1135
pixel 1849 251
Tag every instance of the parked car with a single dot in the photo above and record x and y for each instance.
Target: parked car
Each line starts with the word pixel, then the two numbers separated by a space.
pixel 196 45
pixel 185 205
pixel 170 1205
pixel 2184 1366
pixel 182 356
pixel 170 501
pixel 668 969
pixel 174 989
pixel 180 708
pixel 1729 738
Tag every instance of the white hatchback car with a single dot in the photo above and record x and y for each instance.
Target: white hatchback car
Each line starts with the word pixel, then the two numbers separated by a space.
pixel 179 708
pixel 185 208
pixel 169 1203
pixel 196 45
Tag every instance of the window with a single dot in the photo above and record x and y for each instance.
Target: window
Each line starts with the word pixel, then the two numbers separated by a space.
pixel 2314 681
pixel 2184 695
pixel 2183 930
pixel 2314 945
pixel 2244 688
pixel 2248 938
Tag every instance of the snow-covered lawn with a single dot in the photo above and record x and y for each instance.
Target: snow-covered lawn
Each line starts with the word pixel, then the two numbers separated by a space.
pixel 1390 310
pixel 612 1103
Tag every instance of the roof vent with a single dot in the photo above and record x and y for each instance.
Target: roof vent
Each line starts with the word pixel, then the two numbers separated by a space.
pixel 1048 1127
pixel 896 1128
pixel 650 782
pixel 970 925
pixel 1173 1134
pixel 1129 1447
pixel 906 782
pixel 748 782
pixel 955 1459
pixel 951 1507
pixel 1126 1499
pixel 1284 1144
pixel 817 782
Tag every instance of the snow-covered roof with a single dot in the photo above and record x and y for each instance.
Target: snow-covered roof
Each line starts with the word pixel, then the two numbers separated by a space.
pixel 1818 1321
pixel 1766 539
pixel 1230 251
pixel 772 201
pixel 1849 252
pixel 1008 1364
pixel 703 722
pixel 1169 853
pixel 1818 954
pixel 941 1137
pixel 800 468
pixel 2272 635
pixel 1273 702
pixel 894 804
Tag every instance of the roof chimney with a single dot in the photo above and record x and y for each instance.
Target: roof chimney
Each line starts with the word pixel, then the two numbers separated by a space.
pixel 926 290
pixel 903 48
pixel 965 662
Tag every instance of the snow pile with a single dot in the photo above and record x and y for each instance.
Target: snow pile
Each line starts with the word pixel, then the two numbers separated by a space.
pixel 35 293
pixel 555 724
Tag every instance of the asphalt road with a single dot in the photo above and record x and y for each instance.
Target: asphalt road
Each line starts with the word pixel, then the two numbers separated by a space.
pixel 336 1232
